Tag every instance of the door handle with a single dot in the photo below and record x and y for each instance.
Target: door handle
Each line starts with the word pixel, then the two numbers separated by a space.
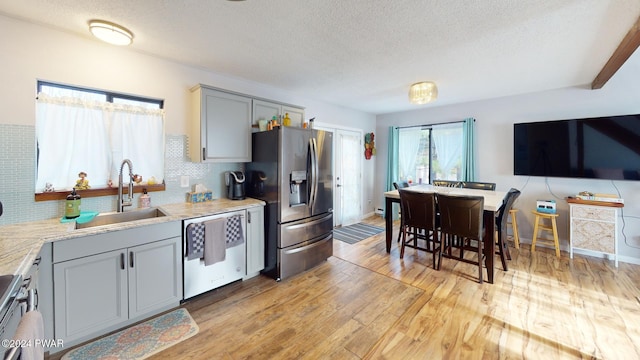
pixel 122 261
pixel 131 258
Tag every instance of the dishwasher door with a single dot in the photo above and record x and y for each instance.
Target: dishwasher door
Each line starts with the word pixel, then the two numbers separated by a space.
pixel 199 278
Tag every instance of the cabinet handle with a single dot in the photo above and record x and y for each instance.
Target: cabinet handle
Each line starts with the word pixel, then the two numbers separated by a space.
pixel 122 261
pixel 131 258
pixel 248 217
pixel 203 154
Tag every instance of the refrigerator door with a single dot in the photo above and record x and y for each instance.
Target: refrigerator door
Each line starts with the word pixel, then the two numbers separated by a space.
pixel 294 175
pixel 323 179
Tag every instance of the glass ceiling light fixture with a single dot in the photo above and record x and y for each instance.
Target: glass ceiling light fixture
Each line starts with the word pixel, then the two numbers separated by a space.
pixel 423 92
pixel 110 32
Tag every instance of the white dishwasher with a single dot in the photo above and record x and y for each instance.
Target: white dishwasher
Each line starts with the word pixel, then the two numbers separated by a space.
pixel 200 278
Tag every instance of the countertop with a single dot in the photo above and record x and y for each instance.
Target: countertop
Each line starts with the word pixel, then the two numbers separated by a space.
pixel 20 243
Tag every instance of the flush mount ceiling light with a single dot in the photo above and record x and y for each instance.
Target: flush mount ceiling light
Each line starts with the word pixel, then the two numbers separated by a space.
pixel 110 32
pixel 423 92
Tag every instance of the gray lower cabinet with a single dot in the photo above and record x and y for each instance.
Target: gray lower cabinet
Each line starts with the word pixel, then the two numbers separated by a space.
pixel 255 240
pixel 90 295
pixel 101 292
pixel 154 276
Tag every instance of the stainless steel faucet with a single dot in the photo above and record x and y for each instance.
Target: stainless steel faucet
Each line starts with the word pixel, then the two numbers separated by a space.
pixel 121 202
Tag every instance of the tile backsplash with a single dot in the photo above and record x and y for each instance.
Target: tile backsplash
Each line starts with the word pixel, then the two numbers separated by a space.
pixel 18 169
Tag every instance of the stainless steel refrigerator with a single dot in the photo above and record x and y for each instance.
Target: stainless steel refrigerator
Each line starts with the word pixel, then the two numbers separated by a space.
pixel 292 172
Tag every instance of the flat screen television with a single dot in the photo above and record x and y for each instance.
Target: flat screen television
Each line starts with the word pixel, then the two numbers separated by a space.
pixel 597 148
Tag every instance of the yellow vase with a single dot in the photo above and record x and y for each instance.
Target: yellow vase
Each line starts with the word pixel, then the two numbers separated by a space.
pixel 287 120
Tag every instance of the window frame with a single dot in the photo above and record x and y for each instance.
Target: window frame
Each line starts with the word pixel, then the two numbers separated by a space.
pixel 432 150
pixel 109 95
pixel 95 192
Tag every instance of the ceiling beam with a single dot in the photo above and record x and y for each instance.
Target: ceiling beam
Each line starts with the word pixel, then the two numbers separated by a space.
pixel 628 45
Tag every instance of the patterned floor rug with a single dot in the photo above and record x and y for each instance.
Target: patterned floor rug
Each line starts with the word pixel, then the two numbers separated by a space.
pixel 353 233
pixel 139 341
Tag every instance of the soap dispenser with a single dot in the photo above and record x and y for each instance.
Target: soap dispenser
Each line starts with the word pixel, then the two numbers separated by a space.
pixel 145 199
pixel 72 205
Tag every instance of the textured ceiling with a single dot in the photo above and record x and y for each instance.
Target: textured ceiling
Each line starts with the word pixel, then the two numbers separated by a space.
pixel 364 54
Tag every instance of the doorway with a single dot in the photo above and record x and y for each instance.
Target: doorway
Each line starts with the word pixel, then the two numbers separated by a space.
pixel 348 171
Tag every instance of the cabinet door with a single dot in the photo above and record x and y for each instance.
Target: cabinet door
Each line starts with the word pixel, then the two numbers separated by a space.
pixel 155 276
pixel 593 235
pixel 255 240
pixel 90 295
pixel 295 114
pixel 264 110
pixel 225 126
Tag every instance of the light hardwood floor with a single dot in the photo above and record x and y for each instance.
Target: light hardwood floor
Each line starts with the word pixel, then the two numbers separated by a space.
pixel 366 304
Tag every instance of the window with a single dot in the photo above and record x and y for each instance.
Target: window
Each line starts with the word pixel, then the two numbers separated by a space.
pixel 90 131
pixel 430 152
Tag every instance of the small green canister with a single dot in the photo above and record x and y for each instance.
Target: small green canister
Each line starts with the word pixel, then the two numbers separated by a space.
pixel 72 205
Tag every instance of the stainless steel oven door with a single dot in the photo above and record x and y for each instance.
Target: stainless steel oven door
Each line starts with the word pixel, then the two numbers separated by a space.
pixel 10 312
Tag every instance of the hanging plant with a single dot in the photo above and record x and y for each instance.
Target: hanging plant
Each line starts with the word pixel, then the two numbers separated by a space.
pixel 369 146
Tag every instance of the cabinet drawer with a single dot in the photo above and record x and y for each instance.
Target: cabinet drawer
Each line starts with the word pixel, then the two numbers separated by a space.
pixel 593 213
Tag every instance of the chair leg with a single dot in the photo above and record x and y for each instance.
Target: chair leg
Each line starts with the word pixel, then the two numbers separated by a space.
pixel 400 232
pixel 433 241
pixel 404 239
pixel 555 236
pixel 535 234
pixel 480 262
pixel 505 243
pixel 502 250
pixel 514 229
pixel 443 248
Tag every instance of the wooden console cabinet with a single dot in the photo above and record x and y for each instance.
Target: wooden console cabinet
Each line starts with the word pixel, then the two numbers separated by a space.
pixel 594 227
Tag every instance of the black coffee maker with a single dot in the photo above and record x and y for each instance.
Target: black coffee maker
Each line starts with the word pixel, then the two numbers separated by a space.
pixel 235 185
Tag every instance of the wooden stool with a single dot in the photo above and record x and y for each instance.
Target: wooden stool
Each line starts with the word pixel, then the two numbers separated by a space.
pixel 539 224
pixel 514 227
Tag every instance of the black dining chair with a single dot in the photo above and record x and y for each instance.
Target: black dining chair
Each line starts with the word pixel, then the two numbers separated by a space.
pixel 419 216
pixel 501 225
pixel 478 185
pixel 447 183
pixel 400 185
pixel 460 226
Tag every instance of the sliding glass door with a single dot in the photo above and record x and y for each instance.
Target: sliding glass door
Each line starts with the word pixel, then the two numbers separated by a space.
pixel 430 152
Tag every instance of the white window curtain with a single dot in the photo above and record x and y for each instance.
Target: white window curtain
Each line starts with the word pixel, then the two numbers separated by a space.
pixel 75 135
pixel 409 144
pixel 447 141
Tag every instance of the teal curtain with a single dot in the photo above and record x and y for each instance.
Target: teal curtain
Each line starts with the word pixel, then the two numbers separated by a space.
pixel 392 163
pixel 468 153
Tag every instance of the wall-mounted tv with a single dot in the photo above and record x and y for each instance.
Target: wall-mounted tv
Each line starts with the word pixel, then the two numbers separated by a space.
pixel 598 148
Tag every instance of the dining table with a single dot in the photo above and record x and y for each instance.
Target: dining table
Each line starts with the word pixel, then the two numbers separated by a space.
pixel 492 202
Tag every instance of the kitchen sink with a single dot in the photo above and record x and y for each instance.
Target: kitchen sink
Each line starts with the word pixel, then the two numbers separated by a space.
pixel 121 217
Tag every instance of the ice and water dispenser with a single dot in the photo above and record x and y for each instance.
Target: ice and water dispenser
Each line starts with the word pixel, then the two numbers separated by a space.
pixel 298 188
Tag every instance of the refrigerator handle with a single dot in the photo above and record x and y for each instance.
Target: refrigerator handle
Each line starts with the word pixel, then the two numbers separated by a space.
pixel 315 171
pixel 313 182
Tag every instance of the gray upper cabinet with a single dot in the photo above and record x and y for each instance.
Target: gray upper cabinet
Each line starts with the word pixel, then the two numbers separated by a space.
pixel 221 126
pixel 266 110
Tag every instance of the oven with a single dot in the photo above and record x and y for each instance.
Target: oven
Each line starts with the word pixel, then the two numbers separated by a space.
pixel 19 296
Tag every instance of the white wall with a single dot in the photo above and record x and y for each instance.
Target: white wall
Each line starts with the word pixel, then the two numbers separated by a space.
pixel 34 52
pixel 494 126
